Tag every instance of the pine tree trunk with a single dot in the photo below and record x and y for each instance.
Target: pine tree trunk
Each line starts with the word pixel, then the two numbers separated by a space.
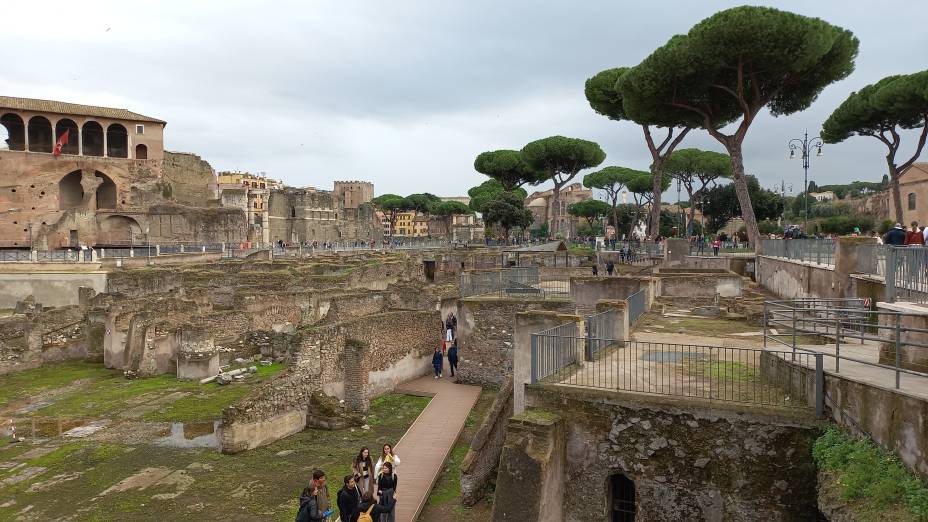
pixel 555 211
pixel 654 224
pixel 741 189
pixel 894 186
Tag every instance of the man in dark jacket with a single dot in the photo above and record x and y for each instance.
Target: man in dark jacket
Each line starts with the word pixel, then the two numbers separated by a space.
pixel 437 362
pixel 453 357
pixel 348 500
pixel 896 236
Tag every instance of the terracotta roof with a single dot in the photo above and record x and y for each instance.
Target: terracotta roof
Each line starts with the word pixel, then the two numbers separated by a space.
pixel 57 107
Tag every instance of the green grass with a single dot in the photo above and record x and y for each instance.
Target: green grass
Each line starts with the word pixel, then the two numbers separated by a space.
pixel 107 392
pixel 721 371
pixel 875 481
pixel 31 382
pixel 271 482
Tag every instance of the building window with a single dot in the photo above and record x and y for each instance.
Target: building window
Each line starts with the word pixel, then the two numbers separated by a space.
pixel 911 201
pixel 623 498
pixel 140 129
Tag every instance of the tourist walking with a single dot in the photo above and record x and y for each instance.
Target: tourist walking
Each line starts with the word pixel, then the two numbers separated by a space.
pixel 716 245
pixel 348 500
pixel 437 362
pixel 309 506
pixel 387 482
pixel 610 267
pixel 914 237
pixel 387 455
pixel 322 497
pixel 453 357
pixel 363 469
pixel 595 270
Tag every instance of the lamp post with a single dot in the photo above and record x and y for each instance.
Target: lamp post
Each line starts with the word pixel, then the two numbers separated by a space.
pixel 804 146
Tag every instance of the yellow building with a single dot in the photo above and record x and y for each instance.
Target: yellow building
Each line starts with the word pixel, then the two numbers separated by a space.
pixel 408 224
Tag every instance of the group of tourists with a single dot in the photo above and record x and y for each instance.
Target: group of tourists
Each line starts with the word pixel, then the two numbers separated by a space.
pixel 449 345
pixel 368 494
pixel 898 236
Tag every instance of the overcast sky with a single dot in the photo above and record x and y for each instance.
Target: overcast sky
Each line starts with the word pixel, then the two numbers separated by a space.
pixel 407 93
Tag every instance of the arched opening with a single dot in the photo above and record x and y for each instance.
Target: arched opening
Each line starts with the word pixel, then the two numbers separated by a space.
pixel 120 230
pixel 141 151
pixel 40 134
pixel 66 125
pixel 622 497
pixel 912 201
pixel 70 191
pixel 106 192
pixel 92 136
pixel 15 138
pixel 117 141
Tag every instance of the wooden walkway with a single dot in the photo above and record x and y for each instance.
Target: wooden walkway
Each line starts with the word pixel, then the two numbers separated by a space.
pixel 424 448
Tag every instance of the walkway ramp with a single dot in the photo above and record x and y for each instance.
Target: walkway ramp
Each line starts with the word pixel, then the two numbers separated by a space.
pixel 428 442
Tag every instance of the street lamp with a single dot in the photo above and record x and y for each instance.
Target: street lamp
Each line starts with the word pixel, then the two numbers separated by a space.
pixel 805 146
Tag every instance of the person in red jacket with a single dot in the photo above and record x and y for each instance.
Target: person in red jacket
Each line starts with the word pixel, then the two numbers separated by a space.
pixel 914 236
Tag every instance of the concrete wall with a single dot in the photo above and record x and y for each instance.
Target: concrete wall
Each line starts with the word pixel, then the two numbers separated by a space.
pixel 54 285
pixel 893 419
pixel 700 285
pixel 687 461
pixel 587 291
pixel 791 279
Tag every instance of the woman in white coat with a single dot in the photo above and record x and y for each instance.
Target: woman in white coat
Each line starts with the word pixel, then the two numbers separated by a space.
pixel 386 456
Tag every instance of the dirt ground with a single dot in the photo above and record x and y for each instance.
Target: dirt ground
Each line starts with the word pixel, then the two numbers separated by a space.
pixel 121 463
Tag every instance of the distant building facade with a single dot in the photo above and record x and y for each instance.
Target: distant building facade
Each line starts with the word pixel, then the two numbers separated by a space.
pixel 73 174
pixel 541 204
pixel 304 215
pixel 913 187
pixel 823 196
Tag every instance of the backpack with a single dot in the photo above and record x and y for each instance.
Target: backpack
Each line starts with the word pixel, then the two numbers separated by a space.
pixel 365 516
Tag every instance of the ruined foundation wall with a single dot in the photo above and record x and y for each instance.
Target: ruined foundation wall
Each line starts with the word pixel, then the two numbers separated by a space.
pixel 688 462
pixel 480 464
pixel 397 347
pixel 189 178
pixel 485 329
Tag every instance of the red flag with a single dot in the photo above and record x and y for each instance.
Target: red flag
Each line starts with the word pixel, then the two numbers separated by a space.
pixel 62 141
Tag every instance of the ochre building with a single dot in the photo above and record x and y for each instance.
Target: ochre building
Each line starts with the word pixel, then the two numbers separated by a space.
pixel 110 183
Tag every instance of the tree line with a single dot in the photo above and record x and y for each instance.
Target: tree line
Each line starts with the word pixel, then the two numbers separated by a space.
pixel 718 78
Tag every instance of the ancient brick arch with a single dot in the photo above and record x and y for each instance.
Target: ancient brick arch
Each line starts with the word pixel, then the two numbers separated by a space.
pixel 70 190
pixel 120 230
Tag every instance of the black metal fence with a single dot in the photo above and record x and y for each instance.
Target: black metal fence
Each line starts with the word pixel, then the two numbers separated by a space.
pixel 741 375
pixel 524 281
pixel 896 345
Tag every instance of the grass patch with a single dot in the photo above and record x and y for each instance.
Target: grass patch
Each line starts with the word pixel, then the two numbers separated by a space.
pixel 263 484
pixel 393 404
pixel 31 382
pixel 874 480
pixel 107 392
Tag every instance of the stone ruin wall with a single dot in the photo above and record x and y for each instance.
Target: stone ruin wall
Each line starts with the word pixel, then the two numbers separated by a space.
pixel 394 346
pixel 687 462
pixel 485 328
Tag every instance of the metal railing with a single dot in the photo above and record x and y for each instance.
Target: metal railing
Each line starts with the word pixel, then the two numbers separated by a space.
pixel 637 305
pixel 871 259
pixel 847 324
pixel 15 255
pixel 906 275
pixel 818 251
pixel 712 373
pixel 728 247
pixel 514 282
pixel 600 330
